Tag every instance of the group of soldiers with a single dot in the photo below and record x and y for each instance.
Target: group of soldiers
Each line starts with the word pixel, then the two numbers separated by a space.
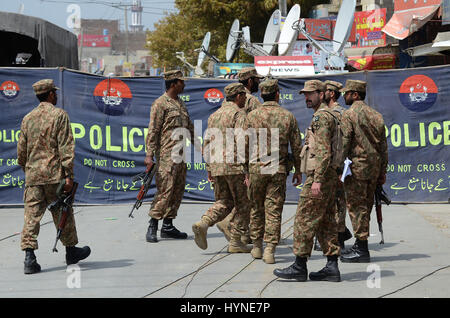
pixel 249 189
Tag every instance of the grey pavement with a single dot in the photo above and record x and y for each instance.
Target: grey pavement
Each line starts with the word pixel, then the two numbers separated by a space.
pixel 413 262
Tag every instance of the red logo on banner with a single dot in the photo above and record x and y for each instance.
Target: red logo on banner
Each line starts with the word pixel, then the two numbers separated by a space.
pixel 9 89
pixel 112 96
pixel 213 96
pixel 418 93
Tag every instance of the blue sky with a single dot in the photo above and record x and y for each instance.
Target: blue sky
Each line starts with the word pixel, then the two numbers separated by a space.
pixel 55 11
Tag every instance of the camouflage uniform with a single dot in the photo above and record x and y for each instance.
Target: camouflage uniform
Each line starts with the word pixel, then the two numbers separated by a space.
pixel 365 145
pixel 166 115
pixel 251 103
pixel 267 190
pixel 45 151
pixel 338 110
pixel 316 215
pixel 229 188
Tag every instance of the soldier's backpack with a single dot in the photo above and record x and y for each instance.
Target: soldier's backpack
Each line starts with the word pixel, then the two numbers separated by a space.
pixel 337 160
pixel 308 160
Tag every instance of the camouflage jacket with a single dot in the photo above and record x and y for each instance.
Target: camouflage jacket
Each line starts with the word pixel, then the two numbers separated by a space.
pixel 216 147
pixel 270 115
pixel 252 102
pixel 166 115
pixel 365 141
pixel 323 128
pixel 46 149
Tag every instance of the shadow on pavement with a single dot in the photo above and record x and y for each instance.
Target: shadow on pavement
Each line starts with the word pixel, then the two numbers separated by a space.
pixel 95 265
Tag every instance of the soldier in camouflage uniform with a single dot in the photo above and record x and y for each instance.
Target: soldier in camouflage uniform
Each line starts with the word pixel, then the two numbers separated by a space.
pixel 250 79
pixel 227 170
pixel 168 113
pixel 316 208
pixel 332 95
pixel 366 146
pixel 46 151
pixel 267 189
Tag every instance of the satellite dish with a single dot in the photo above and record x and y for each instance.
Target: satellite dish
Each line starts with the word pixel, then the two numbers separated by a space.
pixel 246 33
pixel 344 22
pixel 250 48
pixel 233 41
pixel 272 32
pixel 288 35
pixel 205 47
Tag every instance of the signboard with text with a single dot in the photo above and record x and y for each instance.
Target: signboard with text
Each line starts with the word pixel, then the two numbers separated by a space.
pixel 109 119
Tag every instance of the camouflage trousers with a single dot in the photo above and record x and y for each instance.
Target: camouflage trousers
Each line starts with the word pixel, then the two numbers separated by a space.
pixel 169 192
pixel 341 206
pixel 36 200
pixel 230 193
pixel 267 194
pixel 360 198
pixel 316 216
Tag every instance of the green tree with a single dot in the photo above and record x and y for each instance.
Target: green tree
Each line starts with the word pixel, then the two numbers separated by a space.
pixel 184 30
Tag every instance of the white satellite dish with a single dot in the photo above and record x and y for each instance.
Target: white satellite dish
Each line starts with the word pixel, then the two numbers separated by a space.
pixel 246 33
pixel 288 35
pixel 205 47
pixel 233 41
pixel 249 47
pixel 342 31
pixel 272 32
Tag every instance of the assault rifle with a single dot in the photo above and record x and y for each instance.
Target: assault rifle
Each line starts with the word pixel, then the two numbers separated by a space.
pixel 146 179
pixel 380 195
pixel 62 206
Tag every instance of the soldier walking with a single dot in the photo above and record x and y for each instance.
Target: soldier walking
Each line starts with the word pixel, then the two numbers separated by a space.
pixel 315 213
pixel 365 145
pixel 267 191
pixel 46 151
pixel 230 179
pixel 250 79
pixel 167 114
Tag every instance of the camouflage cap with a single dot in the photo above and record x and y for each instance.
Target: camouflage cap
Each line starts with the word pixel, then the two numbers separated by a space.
pixel 354 85
pixel 248 72
pixel 175 74
pixel 313 85
pixel 334 86
pixel 268 86
pixel 44 86
pixel 233 89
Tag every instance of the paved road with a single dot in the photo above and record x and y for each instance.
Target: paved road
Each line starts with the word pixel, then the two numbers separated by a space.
pixel 414 261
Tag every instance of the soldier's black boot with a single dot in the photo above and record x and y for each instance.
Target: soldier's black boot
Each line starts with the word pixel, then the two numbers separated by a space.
pixel 75 254
pixel 151 232
pixel 297 270
pixel 31 264
pixel 170 231
pixel 329 273
pixel 358 254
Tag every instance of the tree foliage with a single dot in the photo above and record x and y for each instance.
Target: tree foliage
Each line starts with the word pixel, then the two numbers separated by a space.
pixel 184 31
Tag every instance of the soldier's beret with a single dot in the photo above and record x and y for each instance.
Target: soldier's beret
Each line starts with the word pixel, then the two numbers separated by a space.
pixel 268 86
pixel 233 89
pixel 312 86
pixel 44 86
pixel 175 74
pixel 248 72
pixel 334 86
pixel 354 85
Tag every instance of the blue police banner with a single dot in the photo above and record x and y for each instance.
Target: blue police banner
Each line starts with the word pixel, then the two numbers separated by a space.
pixel 109 118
